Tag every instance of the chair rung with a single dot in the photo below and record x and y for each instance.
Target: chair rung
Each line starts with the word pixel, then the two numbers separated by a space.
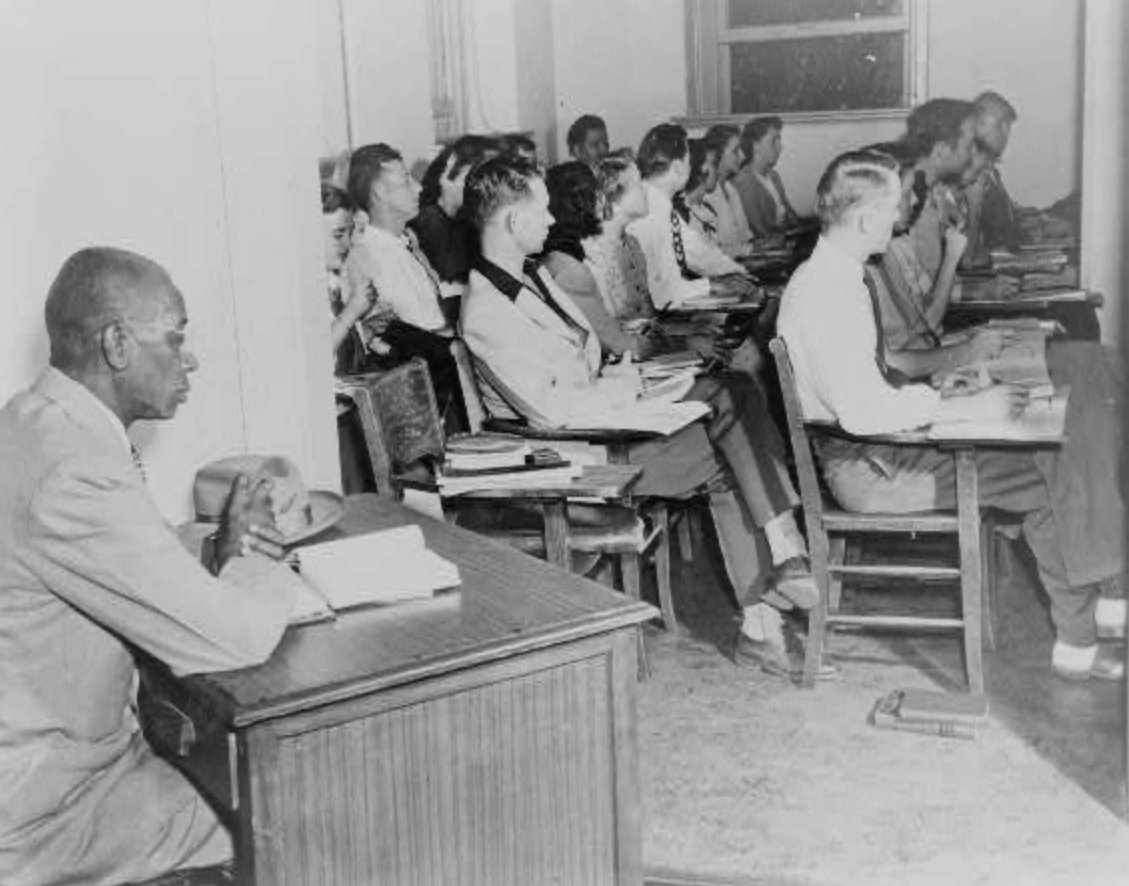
pixel 893 621
pixel 841 521
pixel 883 571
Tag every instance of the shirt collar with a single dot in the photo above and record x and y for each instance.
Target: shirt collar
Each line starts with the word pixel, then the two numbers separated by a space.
pixel 82 405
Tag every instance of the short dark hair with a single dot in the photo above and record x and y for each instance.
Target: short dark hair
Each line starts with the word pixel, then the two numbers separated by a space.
pixel 993 103
pixel 573 199
pixel 365 167
pixel 718 137
pixel 95 287
pixel 517 143
pixel 755 130
pixel 333 199
pixel 580 128
pixel 938 121
pixel 660 147
pixel 467 150
pixel 495 184
pixel 850 180
pixel 904 152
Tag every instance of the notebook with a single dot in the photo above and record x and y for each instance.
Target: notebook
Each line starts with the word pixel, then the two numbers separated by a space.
pixel 376 569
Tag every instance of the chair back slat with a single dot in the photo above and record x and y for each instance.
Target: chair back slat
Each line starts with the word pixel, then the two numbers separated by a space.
pixel 811 492
pixel 472 398
pixel 400 419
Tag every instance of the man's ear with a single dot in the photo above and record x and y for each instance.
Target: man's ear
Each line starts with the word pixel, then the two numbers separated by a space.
pixel 510 221
pixel 115 346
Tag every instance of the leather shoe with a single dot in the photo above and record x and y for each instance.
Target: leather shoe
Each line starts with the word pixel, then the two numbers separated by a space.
pixel 769 657
pixel 1108 664
pixel 793 580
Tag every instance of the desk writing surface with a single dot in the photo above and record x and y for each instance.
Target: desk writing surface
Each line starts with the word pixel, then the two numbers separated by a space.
pixel 508 603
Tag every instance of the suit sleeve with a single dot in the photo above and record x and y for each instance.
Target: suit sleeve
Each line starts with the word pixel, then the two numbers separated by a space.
pixel 96 539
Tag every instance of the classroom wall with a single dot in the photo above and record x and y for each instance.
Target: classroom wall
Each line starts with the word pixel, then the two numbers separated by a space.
pixel 184 131
pixel 626 60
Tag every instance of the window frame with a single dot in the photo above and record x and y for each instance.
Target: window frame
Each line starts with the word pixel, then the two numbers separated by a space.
pixel 708 39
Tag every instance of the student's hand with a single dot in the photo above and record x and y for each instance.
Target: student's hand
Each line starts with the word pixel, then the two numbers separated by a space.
pixel 378 319
pixel 995 402
pixel 956 241
pixel 247 523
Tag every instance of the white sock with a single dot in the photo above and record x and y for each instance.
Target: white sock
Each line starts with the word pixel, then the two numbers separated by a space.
pixel 784 539
pixel 1074 658
pixel 762 622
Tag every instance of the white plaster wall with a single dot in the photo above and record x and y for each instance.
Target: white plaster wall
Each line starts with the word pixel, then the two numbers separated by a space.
pixel 187 132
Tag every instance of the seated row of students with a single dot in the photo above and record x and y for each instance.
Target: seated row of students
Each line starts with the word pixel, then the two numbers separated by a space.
pixel 891 202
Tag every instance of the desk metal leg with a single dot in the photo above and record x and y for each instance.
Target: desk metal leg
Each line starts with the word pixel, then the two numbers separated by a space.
pixel 556 533
pixel 971 580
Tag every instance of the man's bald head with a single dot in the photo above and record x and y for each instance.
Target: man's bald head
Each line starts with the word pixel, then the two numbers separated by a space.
pixel 96 287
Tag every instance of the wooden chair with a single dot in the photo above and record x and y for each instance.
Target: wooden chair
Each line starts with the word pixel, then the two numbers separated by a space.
pixel 835 537
pixel 401 423
pixel 617 444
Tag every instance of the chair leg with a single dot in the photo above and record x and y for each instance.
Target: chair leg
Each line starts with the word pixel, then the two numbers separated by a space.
pixel 817 617
pixel 662 568
pixel 968 531
pixel 629 574
pixel 989 574
pixel 837 553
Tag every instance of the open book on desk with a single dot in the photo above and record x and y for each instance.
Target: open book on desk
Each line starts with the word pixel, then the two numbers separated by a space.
pixel 1043 420
pixel 376 569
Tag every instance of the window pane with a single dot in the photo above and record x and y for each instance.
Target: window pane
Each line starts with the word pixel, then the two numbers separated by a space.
pixel 859 72
pixel 755 13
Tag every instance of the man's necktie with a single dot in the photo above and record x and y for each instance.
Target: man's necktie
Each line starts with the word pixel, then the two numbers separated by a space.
pixel 894 377
pixel 421 260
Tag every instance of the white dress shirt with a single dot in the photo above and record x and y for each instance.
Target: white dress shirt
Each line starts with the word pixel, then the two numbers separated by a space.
pixel 734 235
pixel 827 320
pixel 655 235
pixel 400 273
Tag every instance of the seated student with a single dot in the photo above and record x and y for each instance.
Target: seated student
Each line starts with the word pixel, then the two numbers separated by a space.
pixel 387 258
pixel 90 570
pixel 758 184
pixel 911 299
pixel 941 132
pixel 1072 515
pixel 443 234
pixel 680 260
pixel 587 138
pixel 997 222
pixel 539 359
pixel 734 235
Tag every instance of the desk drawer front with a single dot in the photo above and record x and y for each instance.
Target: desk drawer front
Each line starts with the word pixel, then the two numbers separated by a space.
pixel 512 782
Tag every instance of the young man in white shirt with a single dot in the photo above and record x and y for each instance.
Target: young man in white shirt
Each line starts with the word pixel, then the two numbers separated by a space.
pixel 538 358
pixel 681 262
pixel 386 257
pixel 1072 518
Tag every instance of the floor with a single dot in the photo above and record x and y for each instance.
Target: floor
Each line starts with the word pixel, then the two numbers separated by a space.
pixel 1047 778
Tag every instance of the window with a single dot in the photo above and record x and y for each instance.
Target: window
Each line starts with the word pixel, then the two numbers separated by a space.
pixel 807 57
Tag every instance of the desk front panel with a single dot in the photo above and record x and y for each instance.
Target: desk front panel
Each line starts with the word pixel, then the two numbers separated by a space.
pixel 519 772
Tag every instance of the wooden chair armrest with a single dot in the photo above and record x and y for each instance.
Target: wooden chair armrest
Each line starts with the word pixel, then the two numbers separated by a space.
pixel 597 436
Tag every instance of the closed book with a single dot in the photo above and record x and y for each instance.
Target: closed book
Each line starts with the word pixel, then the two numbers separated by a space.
pixel 947 715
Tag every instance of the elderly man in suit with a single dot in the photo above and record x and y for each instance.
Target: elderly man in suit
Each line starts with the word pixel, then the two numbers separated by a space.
pixel 88 570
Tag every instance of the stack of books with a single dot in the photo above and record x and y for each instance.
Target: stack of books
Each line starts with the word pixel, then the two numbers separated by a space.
pixel 498 461
pixel 931 713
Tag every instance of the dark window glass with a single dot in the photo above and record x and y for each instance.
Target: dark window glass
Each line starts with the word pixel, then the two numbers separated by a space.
pixel 859 72
pixel 758 13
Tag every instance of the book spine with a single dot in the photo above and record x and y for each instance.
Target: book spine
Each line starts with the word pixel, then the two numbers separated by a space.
pixel 935 727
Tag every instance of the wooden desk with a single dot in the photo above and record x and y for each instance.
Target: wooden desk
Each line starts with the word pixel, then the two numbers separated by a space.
pixel 1076 311
pixel 489 738
pixel 610 483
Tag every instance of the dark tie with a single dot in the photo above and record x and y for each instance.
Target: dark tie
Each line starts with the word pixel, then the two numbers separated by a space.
pixel 894 377
pixel 137 462
pixel 421 260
